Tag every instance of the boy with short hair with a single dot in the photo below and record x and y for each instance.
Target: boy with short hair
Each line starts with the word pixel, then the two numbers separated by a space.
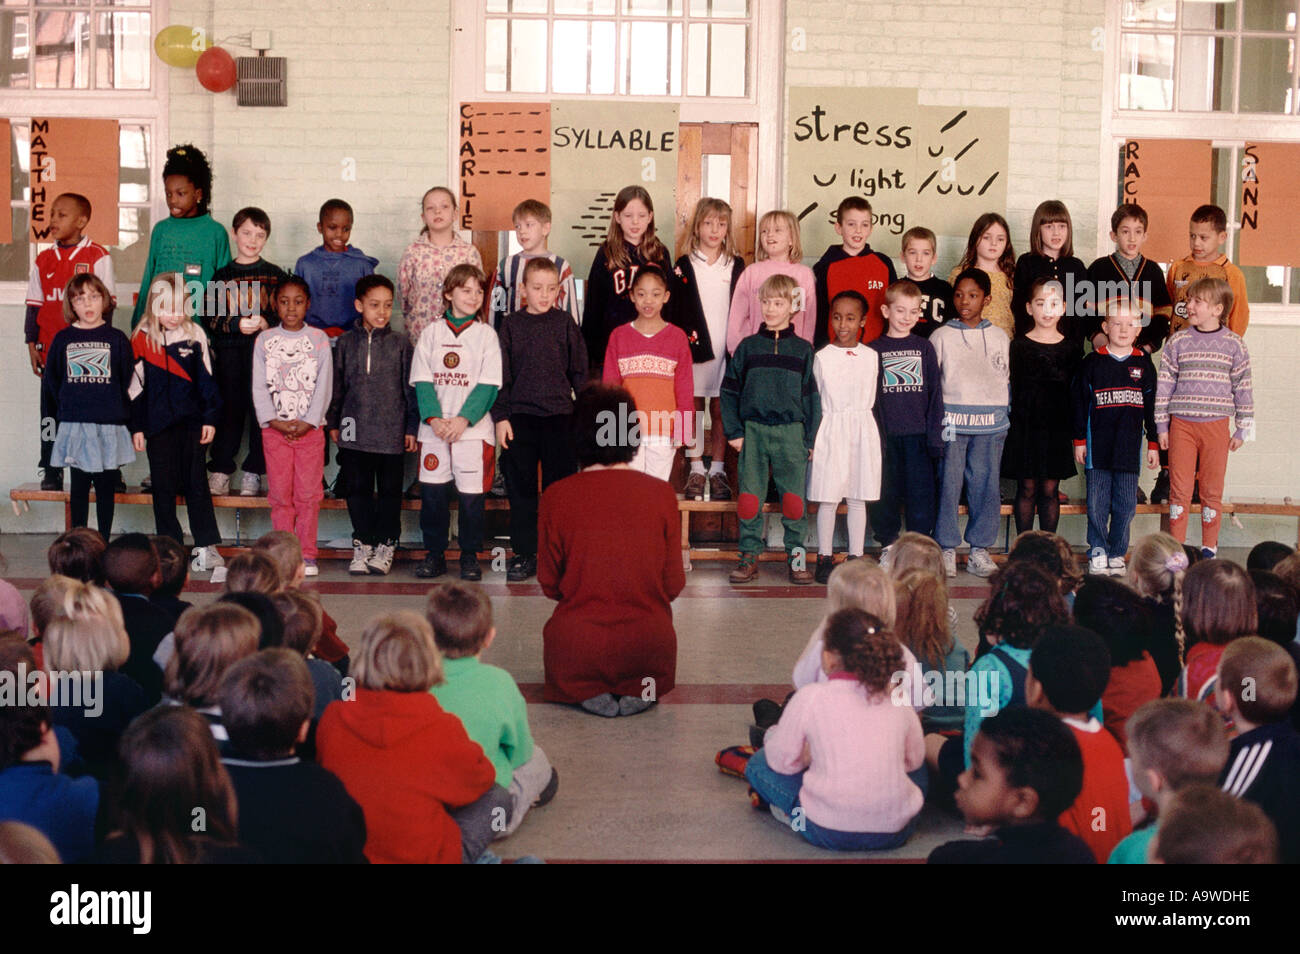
pixel 852 265
pixel 508 293
pixel 1026 769
pixel 1172 743
pixel 1127 276
pixel 174 573
pixel 333 269
pixel 911 415
pixel 372 419
pixel 72 254
pixel 1114 398
pixel 543 365
pixel 1208 827
pixel 973 360
pixel 1207 232
pixel 771 412
pixel 132 570
pixel 485 697
pixel 1068 671
pixel 248 284
pixel 1256 689
pixel 291 811
pixel 919 250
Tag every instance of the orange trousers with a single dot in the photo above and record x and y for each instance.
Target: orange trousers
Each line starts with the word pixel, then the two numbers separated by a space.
pixel 1198 450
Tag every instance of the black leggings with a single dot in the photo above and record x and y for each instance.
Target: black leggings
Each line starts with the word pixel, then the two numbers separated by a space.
pixel 1037 496
pixel 105 483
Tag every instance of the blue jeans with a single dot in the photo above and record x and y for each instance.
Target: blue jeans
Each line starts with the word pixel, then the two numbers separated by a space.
pixel 783 792
pixel 907 484
pixel 1111 494
pixel 976 459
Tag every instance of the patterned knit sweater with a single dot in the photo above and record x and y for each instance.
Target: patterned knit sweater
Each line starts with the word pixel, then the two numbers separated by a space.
pixel 1205 376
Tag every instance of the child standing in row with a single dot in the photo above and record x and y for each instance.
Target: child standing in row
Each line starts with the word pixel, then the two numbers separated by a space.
pixel 1127 274
pixel 630 244
pixel 1114 399
pixel 911 415
pixel 456 372
pixel 87 374
pixel 189 241
pixel 174 409
pixel 780 252
pixel 972 357
pixel 846 452
pixel 292 381
pixel 852 266
pixel 989 249
pixel 532 220
pixel 1051 256
pixel 429 259
pixel 707 278
pixel 372 420
pixel 652 360
pixel 249 283
pixel 770 409
pixel 1043 363
pixel 1207 233
pixel 919 250
pixel 543 365
pixel 332 271
pixel 1204 377
pixel 72 254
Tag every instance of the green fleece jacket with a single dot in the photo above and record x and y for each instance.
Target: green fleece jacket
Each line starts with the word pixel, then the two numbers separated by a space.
pixel 770 381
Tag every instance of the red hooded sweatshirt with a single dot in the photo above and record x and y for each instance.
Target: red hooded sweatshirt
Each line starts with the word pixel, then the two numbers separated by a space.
pixel 405 761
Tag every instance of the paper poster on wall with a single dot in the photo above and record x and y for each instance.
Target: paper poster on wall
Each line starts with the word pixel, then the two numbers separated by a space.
pixel 504 158
pixel 596 149
pixel 6 186
pixel 937 166
pixel 1169 178
pixel 75 155
pixel 1270 195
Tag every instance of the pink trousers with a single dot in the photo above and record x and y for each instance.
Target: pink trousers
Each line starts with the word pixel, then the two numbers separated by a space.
pixel 293 475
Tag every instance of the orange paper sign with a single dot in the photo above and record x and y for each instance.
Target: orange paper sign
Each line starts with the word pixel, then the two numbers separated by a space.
pixel 1270 196
pixel 1169 178
pixel 6 187
pixel 504 158
pixel 75 155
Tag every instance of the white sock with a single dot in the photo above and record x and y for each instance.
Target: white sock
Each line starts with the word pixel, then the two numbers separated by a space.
pixel 697 465
pixel 857 526
pixel 825 528
pixel 715 468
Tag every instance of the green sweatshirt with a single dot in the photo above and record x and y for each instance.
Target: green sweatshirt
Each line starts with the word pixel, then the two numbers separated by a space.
pixel 491 708
pixel 770 381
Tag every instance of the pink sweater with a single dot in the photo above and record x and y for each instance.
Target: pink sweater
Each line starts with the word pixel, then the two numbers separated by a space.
pixel 859 751
pixel 747 313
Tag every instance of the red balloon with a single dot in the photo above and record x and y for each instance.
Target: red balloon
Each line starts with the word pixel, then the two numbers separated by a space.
pixel 216 70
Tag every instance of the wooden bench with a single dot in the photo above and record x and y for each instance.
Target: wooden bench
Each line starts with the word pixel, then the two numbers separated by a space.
pixel 25 493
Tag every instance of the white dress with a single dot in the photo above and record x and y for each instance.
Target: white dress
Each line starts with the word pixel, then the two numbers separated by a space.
pixel 846 453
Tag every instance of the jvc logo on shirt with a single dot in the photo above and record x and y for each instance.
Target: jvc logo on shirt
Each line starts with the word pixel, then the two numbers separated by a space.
pixel 77 907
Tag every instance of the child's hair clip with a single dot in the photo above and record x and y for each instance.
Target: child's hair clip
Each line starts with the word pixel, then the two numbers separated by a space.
pixel 1176 562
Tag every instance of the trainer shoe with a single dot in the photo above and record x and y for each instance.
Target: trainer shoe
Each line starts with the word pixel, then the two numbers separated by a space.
pixel 1116 566
pixel 521 568
pixel 469 567
pixel 746 570
pixel 950 563
pixel 979 563
pixel 311 569
pixel 695 484
pixel 250 485
pixel 1098 566
pixel 719 489
pixel 824 566
pixel 361 553
pixel 205 559
pixel 886 557
pixel 380 560
pixel 433 566
pixel 52 478
pixel 218 484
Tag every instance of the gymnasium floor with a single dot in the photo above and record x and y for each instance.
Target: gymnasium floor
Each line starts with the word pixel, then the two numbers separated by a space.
pixel 641 788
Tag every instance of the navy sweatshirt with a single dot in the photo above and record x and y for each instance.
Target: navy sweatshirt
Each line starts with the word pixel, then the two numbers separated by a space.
pixel 1264 767
pixel 936 305
pixel 911 389
pixel 172 384
pixel 87 373
pixel 607 301
pixel 1113 401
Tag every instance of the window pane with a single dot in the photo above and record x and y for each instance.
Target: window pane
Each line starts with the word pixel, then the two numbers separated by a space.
pixel 1263 283
pixel 62 51
pixel 1148 12
pixel 120 3
pixel 675 66
pixel 603 68
pixel 652 8
pixel 1205 71
pixel 1295 286
pixel 1269 15
pixel 14 262
pixel 717 178
pixel 133 177
pixel 494 60
pixel 528 56
pixel 132 246
pixel 1146 72
pixel 645 48
pixel 1266 80
pixel 584 6
pixel 123 51
pixel 569 57
pixel 721 8
pixel 1210 16
pixel 14 50
pixel 20 181
pixel 697 59
pixel 1224 178
pixel 497 6
pixel 728 58
pixel 528 6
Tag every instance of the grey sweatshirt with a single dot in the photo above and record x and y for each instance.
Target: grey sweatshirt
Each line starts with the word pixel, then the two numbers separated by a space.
pixel 373 405
pixel 292 375
pixel 976 374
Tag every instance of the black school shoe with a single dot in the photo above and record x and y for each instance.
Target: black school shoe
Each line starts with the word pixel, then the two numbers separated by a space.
pixel 824 566
pixel 434 566
pixel 1160 492
pixel 52 479
pixel 521 568
pixel 469 567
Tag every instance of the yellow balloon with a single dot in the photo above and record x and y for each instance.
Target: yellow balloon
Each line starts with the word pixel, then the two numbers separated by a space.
pixel 180 45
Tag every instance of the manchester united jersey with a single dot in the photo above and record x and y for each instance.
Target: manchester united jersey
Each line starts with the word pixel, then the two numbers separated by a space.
pixel 454 363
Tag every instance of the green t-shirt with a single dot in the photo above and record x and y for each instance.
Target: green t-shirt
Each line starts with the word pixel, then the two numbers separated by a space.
pixel 491 708
pixel 1133 849
pixel 196 247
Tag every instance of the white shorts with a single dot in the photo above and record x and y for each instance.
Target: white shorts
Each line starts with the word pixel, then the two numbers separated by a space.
pixel 470 462
pixel 655 456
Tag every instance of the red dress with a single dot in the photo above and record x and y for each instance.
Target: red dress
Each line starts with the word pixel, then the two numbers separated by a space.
pixel 609 549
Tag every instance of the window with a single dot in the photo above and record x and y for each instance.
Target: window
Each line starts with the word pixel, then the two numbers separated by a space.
pixel 673 48
pixel 1206 56
pixel 82 44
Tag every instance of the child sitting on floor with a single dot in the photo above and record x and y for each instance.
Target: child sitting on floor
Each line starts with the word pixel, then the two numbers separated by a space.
pixel 1208 827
